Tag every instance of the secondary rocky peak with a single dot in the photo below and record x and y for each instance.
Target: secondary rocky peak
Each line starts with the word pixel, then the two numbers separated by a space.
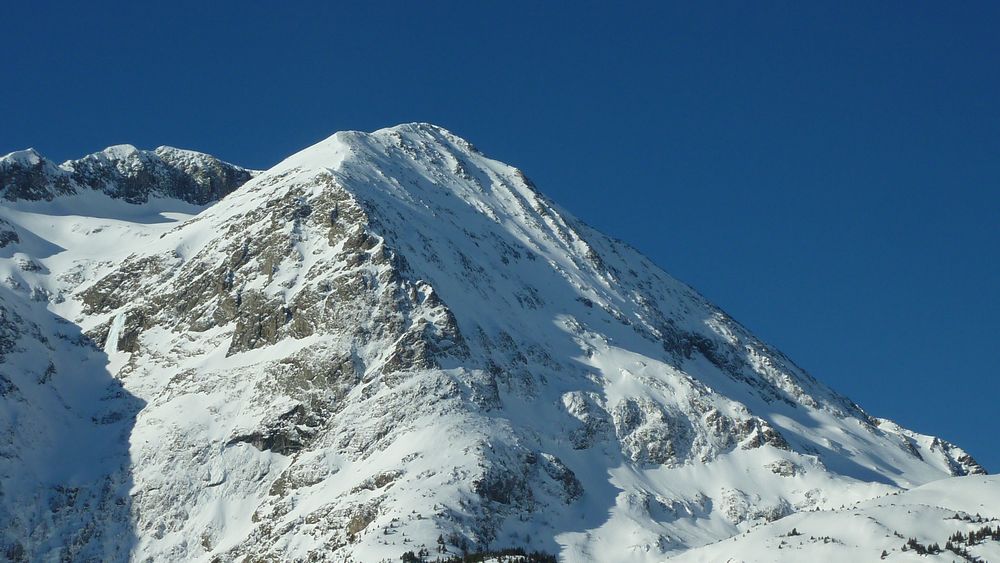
pixel 135 175
pixel 123 172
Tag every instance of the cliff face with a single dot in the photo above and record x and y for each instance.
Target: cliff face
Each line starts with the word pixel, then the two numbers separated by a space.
pixel 389 338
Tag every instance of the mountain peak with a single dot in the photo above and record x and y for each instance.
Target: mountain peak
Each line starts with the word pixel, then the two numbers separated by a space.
pixel 28 157
pixel 120 151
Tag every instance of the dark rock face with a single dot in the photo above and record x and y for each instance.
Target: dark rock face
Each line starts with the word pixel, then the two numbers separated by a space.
pixel 564 476
pixel 29 176
pixel 259 322
pixel 287 434
pixel 8 235
pixel 970 466
pixel 135 322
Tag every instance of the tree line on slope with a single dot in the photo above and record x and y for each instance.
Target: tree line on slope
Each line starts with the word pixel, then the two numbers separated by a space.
pixel 509 555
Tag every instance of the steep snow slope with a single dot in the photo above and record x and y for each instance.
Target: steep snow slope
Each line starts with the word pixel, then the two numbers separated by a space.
pixel 389 337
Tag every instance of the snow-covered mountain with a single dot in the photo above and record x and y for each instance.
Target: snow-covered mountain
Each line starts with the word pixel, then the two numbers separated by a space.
pixel 388 341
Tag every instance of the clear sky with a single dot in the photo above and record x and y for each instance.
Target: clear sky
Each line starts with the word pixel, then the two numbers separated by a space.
pixel 828 173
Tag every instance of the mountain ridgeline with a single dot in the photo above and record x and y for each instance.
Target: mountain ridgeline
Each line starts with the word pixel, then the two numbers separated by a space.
pixel 124 172
pixel 387 344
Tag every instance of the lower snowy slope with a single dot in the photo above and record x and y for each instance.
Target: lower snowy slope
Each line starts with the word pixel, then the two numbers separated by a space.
pixel 389 341
pixel 955 519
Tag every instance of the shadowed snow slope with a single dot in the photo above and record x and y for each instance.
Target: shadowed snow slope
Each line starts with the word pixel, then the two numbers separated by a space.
pixel 389 338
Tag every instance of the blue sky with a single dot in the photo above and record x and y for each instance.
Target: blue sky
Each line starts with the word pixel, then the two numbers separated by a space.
pixel 827 173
